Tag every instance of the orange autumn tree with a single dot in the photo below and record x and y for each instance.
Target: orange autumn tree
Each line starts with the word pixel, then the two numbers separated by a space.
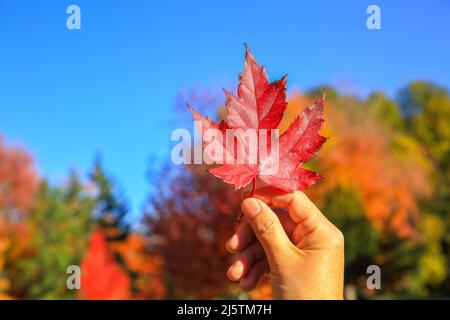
pixel 4 282
pixel 387 167
pixel 128 260
pixel 18 183
pixel 143 266
pixel 101 276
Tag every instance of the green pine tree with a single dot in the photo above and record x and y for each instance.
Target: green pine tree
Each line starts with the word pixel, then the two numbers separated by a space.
pixel 60 223
pixel 111 209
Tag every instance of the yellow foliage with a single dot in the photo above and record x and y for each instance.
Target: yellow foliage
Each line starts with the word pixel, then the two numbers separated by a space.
pixel 4 283
pixel 432 265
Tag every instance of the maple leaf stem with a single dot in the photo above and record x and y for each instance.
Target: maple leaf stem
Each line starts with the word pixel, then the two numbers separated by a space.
pixel 253 187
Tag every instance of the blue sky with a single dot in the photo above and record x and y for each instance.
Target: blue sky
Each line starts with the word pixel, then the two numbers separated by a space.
pixel 110 86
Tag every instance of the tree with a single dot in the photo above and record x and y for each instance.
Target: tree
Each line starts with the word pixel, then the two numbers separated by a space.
pixel 143 267
pixel 18 182
pixel 430 125
pixel 58 222
pixel 379 163
pixel 427 109
pixel 4 282
pixel 384 110
pixel 362 239
pixel 129 248
pixel 188 223
pixel 102 278
pixel 413 97
pixel 111 208
pixel 376 177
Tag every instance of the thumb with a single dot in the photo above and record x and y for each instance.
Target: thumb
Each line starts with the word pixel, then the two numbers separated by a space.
pixel 266 225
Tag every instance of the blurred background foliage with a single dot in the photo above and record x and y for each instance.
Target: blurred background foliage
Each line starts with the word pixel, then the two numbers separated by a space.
pixel 386 186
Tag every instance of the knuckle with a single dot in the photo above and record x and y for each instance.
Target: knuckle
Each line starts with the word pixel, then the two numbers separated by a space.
pixel 337 238
pixel 332 236
pixel 298 197
pixel 268 226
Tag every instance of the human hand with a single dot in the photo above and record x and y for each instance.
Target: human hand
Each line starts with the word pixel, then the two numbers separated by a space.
pixel 301 250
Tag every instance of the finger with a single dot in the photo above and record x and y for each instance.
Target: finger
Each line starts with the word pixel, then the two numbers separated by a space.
pixel 245 260
pixel 313 227
pixel 266 225
pixel 301 209
pixel 250 281
pixel 243 236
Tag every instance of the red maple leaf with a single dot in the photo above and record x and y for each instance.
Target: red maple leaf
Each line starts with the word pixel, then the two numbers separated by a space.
pixel 260 105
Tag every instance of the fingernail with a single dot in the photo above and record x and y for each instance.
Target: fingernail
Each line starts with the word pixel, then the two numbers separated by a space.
pixel 250 207
pixel 235 271
pixel 233 242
